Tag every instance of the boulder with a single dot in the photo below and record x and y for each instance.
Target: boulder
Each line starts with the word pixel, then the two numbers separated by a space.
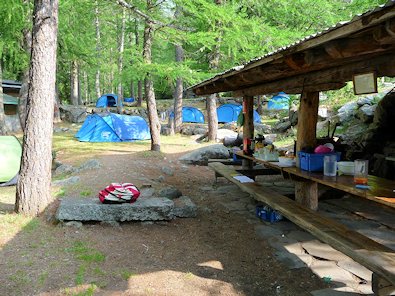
pixel 90 165
pixel 168 170
pixel 200 131
pixel 73 114
pixel 261 128
pixel 293 116
pixel 169 192
pixel 165 130
pixel 187 130
pixel 366 113
pixel 201 155
pixel 282 126
pixel 65 169
pixel 225 133
pixel 184 208
pixel 67 181
pixel 365 101
pixel 348 107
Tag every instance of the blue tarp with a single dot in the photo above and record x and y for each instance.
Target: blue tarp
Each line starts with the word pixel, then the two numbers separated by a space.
pixel 112 127
pixel 279 102
pixel 129 100
pixel 191 114
pixel 108 100
pixel 230 112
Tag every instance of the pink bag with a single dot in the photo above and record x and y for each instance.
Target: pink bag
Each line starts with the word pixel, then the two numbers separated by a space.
pixel 119 193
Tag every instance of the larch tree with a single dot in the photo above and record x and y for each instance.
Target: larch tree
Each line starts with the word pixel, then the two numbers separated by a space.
pixel 98 49
pixel 179 89
pixel 3 130
pixel 33 192
pixel 121 46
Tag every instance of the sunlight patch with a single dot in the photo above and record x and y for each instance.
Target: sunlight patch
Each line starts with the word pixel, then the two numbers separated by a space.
pixel 212 264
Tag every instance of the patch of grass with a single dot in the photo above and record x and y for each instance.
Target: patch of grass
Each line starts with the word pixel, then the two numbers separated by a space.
pixel 80 276
pixel 189 275
pixel 126 274
pixel 83 252
pixel 86 193
pixel 20 278
pixel 32 225
pixel 98 271
pixel 60 193
pixel 42 278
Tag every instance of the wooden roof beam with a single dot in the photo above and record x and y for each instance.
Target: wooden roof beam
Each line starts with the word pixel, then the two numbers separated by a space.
pixel 333 78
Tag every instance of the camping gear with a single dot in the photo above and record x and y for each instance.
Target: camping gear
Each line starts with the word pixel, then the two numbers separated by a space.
pixel 321 149
pixel 111 127
pixel 279 102
pixel 191 114
pixel 230 112
pixel 119 193
pixel 10 159
pixel 266 213
pixel 345 168
pixel 107 100
pixel 286 161
pixel 330 165
pixel 129 100
pixel 314 162
pixel 361 171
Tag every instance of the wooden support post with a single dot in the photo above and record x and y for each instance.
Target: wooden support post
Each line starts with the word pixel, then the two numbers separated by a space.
pixel 306 193
pixel 248 126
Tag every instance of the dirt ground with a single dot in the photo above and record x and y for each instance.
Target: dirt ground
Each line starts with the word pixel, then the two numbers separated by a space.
pixel 217 253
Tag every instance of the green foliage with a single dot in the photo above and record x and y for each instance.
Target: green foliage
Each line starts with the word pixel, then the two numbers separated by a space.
pixel 83 252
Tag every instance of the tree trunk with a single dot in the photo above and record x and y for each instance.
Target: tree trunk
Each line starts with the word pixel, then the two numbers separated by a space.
pixel 139 93
pixel 132 89
pixel 86 88
pixel 98 51
pixel 211 100
pixel 212 119
pixel 27 46
pixel 79 85
pixel 139 82
pixel 3 129
pixel 56 111
pixel 74 83
pixel 149 86
pixel 259 109
pixel 33 191
pixel 121 46
pixel 179 83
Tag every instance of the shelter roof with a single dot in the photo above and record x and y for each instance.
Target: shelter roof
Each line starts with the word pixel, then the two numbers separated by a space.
pixel 353 43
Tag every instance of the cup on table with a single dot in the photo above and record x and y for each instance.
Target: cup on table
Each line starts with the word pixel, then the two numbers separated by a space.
pixel 361 167
pixel 330 165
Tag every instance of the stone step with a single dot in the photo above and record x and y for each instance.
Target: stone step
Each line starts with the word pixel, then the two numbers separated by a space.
pixel 144 209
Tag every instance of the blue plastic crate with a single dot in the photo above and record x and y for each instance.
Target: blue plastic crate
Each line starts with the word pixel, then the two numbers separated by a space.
pixel 266 213
pixel 314 162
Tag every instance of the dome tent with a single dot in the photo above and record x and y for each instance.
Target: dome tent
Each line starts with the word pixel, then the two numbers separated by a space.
pixel 230 112
pixel 279 102
pixel 107 100
pixel 10 159
pixel 112 127
pixel 191 114
pixel 129 100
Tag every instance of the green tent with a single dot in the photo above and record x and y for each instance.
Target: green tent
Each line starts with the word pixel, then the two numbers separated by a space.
pixel 10 157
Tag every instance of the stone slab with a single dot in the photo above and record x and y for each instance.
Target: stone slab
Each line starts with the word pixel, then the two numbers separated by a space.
pixel 329 271
pixel 320 250
pixel 91 209
pixel 343 291
pixel 184 208
pixel 357 269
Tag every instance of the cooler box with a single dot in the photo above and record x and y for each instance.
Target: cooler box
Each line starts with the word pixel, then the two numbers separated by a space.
pixel 314 162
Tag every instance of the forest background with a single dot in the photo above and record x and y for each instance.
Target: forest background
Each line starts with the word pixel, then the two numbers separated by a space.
pixel 101 42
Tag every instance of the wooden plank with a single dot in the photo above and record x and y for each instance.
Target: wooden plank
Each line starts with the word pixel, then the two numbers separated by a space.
pixel 380 190
pixel 372 255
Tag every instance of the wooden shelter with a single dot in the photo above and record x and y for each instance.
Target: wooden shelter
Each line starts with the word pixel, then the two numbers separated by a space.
pixel 320 62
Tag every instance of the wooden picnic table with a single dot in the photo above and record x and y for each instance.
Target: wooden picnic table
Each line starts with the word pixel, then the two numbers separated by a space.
pixel 380 190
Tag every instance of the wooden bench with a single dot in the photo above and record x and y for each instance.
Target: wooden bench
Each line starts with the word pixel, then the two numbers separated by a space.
pixel 374 256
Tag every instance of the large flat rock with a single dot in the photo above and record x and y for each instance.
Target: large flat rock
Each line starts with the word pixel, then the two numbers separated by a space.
pixel 91 209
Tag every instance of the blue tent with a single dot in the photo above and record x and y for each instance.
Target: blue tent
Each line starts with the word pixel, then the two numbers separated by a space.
pixel 230 112
pixel 108 100
pixel 191 114
pixel 129 100
pixel 279 102
pixel 112 127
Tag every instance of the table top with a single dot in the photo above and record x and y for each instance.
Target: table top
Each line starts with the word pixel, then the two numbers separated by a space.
pixel 380 190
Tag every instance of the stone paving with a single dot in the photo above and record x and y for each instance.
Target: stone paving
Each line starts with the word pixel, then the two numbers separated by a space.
pixel 296 248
